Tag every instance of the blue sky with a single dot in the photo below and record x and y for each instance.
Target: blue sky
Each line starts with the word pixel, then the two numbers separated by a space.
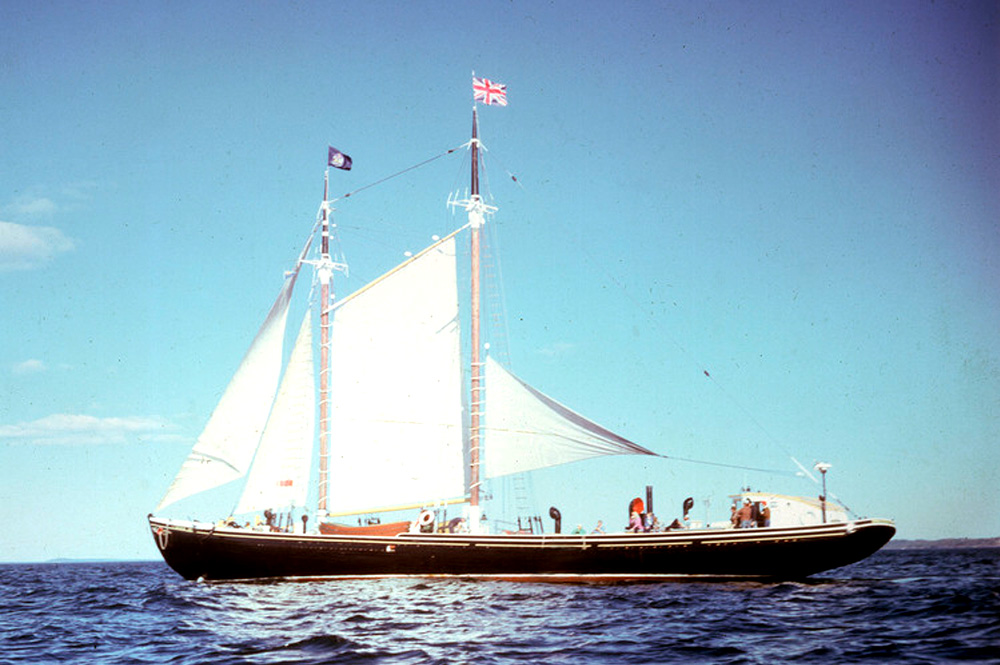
pixel 801 199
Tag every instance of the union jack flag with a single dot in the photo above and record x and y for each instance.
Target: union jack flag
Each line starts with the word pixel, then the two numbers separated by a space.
pixel 489 92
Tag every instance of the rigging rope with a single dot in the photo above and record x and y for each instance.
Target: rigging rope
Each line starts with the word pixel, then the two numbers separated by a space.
pixel 399 173
pixel 749 415
pixel 726 466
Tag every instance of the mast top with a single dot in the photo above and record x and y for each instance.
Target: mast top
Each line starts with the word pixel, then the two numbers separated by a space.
pixel 475 153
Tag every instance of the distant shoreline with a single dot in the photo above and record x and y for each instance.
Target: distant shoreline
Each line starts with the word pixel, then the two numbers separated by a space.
pixel 942 544
pixel 71 560
pixel 895 544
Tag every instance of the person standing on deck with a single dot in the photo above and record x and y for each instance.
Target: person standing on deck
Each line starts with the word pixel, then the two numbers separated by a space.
pixel 764 515
pixel 745 515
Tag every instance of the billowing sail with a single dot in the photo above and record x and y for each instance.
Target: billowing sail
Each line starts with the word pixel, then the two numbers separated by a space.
pixel 395 389
pixel 223 451
pixel 280 472
pixel 527 430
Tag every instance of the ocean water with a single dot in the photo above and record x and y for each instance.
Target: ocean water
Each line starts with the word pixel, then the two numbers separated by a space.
pixel 896 607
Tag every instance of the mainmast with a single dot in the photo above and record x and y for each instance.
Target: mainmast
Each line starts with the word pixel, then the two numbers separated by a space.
pixel 477 210
pixel 487 92
pixel 476 219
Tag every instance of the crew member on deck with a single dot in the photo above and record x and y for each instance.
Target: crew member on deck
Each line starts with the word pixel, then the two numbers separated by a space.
pixel 635 523
pixel 745 514
pixel 764 515
pixel 652 523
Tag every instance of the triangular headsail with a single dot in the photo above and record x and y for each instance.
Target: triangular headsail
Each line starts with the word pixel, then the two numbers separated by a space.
pixel 279 476
pixel 226 446
pixel 527 430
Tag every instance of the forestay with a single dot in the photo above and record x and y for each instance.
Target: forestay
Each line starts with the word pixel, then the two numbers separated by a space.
pixel 279 475
pixel 396 389
pixel 226 446
pixel 526 429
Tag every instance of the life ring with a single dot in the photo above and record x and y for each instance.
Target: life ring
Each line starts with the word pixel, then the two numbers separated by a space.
pixel 426 518
pixel 162 537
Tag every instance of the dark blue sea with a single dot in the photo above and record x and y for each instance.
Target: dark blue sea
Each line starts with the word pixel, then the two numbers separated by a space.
pixel 896 607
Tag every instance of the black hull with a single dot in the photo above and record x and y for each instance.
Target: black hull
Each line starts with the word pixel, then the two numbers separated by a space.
pixel 201 551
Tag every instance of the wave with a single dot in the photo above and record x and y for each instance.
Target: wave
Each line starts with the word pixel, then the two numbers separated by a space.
pixel 896 606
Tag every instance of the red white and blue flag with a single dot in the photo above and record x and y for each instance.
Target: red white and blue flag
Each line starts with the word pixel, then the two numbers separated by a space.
pixel 489 92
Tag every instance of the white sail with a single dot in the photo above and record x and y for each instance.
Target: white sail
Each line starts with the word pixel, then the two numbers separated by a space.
pixel 223 451
pixel 280 472
pixel 396 389
pixel 527 430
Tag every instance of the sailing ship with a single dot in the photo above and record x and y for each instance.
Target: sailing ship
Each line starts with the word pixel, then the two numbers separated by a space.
pixel 400 431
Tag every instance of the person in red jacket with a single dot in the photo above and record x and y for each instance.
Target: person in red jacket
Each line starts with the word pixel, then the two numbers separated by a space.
pixel 745 514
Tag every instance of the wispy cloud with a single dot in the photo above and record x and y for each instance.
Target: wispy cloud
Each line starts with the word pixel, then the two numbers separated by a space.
pixel 33 205
pixel 25 247
pixel 80 192
pixel 557 349
pixel 32 366
pixel 44 202
pixel 77 429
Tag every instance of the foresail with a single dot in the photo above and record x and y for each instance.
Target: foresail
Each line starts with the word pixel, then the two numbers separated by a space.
pixel 396 389
pixel 223 451
pixel 527 430
pixel 279 475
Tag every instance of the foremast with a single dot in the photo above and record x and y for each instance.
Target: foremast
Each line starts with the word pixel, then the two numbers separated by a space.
pixel 325 267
